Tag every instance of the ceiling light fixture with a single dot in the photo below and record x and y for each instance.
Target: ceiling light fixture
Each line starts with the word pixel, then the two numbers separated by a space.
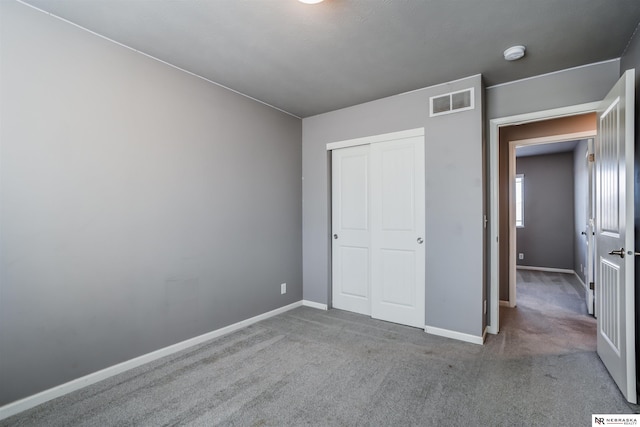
pixel 310 1
pixel 514 53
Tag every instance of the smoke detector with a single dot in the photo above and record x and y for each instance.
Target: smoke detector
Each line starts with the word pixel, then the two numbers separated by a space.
pixel 514 53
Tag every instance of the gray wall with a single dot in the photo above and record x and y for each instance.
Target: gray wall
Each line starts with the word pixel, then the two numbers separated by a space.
pixel 546 240
pixel 454 198
pixel 141 206
pixel 581 212
pixel 631 59
pixel 569 87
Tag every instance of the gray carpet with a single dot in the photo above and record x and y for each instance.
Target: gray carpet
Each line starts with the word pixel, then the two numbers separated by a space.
pixel 310 367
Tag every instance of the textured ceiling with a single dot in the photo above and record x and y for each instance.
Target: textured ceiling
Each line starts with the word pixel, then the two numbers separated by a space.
pixel 310 59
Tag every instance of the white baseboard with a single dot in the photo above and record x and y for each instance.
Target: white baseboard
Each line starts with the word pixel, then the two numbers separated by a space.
pixel 312 304
pixel 548 269
pixel 504 303
pixel 454 335
pixel 73 385
pixel 580 280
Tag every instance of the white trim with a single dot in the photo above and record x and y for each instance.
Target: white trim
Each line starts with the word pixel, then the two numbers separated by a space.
pixel 494 188
pixel 518 119
pixel 312 304
pixel 511 216
pixel 630 242
pixel 580 280
pixel 454 335
pixel 156 59
pixel 555 138
pixel 73 385
pixel 512 174
pixel 393 136
pixel 552 73
pixel 547 269
pixel 504 303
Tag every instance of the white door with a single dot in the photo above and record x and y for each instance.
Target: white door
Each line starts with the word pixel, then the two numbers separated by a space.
pixel 397 212
pixel 351 231
pixel 378 255
pixel 615 244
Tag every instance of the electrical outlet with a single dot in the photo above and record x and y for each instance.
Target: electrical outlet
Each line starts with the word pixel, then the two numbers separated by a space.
pixel 520 256
pixel 283 288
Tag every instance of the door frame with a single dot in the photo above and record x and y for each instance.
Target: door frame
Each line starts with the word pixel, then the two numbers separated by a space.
pixel 552 139
pixel 590 275
pixel 493 322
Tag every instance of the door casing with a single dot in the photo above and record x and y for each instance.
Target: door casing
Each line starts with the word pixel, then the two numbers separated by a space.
pixel 493 321
pixel 512 173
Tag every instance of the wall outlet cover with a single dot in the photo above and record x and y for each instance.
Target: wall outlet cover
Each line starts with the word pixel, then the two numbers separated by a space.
pixel 283 288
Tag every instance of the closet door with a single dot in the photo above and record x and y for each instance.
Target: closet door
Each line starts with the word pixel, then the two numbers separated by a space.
pixel 397 231
pixel 378 255
pixel 351 234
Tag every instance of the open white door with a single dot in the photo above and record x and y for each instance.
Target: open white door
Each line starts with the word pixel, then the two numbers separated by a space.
pixel 615 245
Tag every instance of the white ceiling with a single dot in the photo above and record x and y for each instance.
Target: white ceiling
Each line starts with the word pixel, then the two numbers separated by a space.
pixel 310 59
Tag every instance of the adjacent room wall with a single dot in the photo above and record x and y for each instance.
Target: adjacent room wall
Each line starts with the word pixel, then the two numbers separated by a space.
pixel 546 240
pixel 141 206
pixel 454 198
pixel 580 205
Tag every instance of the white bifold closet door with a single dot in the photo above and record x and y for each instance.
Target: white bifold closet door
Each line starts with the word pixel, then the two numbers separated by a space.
pixel 378 230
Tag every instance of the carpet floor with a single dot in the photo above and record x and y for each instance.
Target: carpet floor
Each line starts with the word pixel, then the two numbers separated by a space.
pixel 335 368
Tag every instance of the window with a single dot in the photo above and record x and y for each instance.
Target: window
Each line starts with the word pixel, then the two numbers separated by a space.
pixel 519 200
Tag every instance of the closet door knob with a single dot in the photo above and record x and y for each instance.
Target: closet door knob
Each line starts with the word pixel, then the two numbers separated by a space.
pixel 419 240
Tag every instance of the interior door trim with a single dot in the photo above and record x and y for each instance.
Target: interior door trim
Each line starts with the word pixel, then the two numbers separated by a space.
pixel 374 139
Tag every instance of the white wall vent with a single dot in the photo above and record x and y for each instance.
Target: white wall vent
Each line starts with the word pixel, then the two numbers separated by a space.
pixel 451 102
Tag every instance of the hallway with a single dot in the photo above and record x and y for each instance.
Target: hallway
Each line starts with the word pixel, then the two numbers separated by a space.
pixel 550 316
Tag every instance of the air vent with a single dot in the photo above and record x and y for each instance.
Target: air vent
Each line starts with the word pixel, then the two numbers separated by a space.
pixel 451 102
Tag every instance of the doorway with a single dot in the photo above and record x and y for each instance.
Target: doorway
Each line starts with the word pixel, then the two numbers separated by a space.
pixel 614 234
pixel 549 206
pixel 499 190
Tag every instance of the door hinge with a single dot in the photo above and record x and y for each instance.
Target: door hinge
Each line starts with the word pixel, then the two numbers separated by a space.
pixel 592 285
pixel 592 157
